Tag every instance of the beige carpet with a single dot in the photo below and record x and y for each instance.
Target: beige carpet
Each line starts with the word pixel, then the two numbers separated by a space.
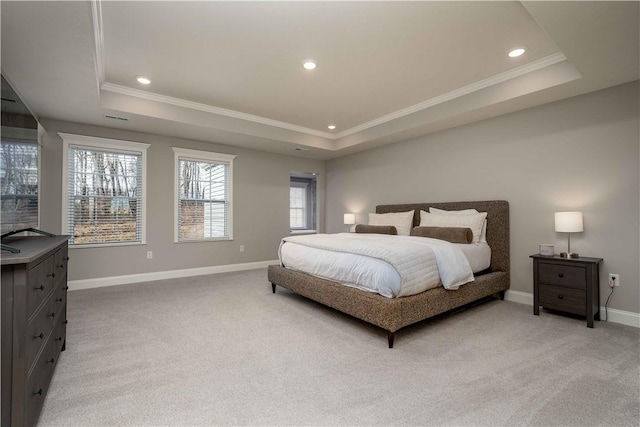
pixel 223 350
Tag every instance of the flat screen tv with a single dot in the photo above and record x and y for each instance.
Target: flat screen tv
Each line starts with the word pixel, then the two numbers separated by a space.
pixel 18 163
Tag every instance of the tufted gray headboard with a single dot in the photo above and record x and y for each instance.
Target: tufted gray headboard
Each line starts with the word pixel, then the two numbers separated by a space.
pixel 497 224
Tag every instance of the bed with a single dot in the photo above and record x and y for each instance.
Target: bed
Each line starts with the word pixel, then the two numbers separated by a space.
pixel 392 314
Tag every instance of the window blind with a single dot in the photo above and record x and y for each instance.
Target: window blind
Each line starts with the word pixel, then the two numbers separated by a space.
pixel 203 199
pixel 19 185
pixel 104 195
pixel 297 206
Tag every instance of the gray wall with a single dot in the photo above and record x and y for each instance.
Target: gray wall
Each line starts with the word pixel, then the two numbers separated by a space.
pixel 577 154
pixel 260 206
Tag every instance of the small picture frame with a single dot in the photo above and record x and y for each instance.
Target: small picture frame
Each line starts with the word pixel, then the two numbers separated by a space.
pixel 546 250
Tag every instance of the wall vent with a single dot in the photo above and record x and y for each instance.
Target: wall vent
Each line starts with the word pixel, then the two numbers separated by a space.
pixel 124 119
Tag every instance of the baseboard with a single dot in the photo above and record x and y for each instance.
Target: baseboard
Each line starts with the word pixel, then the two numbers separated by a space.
pixel 622 317
pixel 163 275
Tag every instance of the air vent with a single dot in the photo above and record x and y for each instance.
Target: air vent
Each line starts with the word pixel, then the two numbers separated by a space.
pixel 124 119
pixel 301 149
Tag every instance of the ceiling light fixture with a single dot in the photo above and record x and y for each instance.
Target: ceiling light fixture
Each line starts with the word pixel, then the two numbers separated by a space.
pixel 331 127
pixel 516 52
pixel 143 80
pixel 309 64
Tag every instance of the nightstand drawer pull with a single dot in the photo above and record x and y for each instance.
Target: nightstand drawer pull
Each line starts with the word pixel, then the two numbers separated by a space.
pixel 560 296
pixel 560 274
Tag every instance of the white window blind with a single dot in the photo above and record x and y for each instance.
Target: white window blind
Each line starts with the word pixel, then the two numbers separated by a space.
pixel 204 196
pixel 19 185
pixel 297 206
pixel 104 192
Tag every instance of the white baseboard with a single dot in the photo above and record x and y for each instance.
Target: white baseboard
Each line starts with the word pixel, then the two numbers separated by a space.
pixel 162 275
pixel 622 317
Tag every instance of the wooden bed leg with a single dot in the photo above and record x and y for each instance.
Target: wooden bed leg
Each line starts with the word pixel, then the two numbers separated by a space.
pixel 273 288
pixel 390 337
pixel 502 295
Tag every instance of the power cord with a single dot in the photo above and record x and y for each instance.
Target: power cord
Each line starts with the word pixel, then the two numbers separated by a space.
pixel 612 284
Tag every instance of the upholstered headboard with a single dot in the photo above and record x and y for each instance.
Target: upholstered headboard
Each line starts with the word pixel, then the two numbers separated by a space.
pixel 497 224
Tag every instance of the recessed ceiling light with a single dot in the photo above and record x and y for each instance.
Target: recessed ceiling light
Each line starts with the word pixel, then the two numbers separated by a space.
pixel 331 127
pixel 309 64
pixel 516 52
pixel 143 80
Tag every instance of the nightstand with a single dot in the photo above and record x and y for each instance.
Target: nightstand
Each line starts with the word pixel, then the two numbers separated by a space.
pixel 571 285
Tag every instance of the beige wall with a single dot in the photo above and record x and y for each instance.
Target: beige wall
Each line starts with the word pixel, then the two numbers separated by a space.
pixel 578 154
pixel 260 206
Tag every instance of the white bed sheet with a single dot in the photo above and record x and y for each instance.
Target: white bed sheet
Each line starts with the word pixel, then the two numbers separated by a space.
pixel 366 273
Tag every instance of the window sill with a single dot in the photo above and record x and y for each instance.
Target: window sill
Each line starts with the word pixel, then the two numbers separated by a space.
pixel 299 232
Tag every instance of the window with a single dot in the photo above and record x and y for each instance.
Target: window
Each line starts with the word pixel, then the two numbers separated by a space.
pixel 104 191
pixel 298 205
pixel 204 208
pixel 302 202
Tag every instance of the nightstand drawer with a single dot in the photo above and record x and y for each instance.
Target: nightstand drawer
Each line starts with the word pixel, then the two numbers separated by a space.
pixel 564 299
pixel 562 275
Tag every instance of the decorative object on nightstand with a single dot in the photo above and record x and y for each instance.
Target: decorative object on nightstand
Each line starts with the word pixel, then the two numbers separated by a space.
pixel 569 222
pixel 349 219
pixel 571 285
pixel 546 250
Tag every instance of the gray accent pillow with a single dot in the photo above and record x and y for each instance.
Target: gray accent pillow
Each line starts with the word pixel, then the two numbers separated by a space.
pixel 450 234
pixel 376 229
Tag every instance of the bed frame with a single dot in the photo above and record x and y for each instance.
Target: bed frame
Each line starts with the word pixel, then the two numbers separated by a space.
pixel 392 314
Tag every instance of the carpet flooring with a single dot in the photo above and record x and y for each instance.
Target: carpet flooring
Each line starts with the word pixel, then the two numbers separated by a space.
pixel 223 350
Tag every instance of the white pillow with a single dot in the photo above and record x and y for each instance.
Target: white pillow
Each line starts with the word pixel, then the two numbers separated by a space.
pixel 483 233
pixel 472 221
pixel 403 221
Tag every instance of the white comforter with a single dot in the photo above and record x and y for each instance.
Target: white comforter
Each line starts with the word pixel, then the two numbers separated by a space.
pixel 420 263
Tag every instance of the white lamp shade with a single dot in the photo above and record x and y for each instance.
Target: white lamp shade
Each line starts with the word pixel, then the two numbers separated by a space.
pixel 569 222
pixel 349 219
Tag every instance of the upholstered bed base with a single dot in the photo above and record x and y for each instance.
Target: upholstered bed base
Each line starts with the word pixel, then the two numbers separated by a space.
pixel 393 314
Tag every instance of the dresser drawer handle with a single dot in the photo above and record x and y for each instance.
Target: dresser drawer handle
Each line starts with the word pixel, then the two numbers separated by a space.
pixel 59 299
pixel 65 288
pixel 560 296
pixel 52 314
pixel 38 392
pixel 61 266
pixel 561 275
pixel 40 335
pixel 59 339
pixel 65 322
pixel 67 258
pixel 51 275
pixel 51 360
pixel 41 288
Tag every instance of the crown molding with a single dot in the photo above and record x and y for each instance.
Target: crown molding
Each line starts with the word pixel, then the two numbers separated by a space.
pixel 98 40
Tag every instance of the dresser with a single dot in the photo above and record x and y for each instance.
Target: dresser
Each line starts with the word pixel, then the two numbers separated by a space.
pixel 34 317
pixel 571 285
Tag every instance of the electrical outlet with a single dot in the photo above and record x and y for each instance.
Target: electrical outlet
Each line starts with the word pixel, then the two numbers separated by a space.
pixel 241 248
pixel 149 254
pixel 614 279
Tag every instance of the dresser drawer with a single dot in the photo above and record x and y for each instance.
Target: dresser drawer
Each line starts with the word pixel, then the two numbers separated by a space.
pixel 39 285
pixel 562 275
pixel 37 333
pixel 564 299
pixel 60 265
pixel 59 335
pixel 38 384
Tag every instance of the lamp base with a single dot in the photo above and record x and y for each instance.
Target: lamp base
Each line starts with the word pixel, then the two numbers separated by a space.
pixel 569 255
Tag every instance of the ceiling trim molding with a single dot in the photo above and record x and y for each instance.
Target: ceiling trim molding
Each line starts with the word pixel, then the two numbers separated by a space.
pixel 98 39
pixel 151 96
pixel 463 91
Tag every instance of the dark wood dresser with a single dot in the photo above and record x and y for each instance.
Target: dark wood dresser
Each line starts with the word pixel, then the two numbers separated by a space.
pixel 34 317
pixel 571 285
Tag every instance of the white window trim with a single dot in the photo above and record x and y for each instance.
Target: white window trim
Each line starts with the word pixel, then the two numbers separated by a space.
pixel 199 156
pixel 305 210
pixel 130 147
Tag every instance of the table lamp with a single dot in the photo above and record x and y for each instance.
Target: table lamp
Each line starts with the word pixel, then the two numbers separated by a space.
pixel 569 222
pixel 349 219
